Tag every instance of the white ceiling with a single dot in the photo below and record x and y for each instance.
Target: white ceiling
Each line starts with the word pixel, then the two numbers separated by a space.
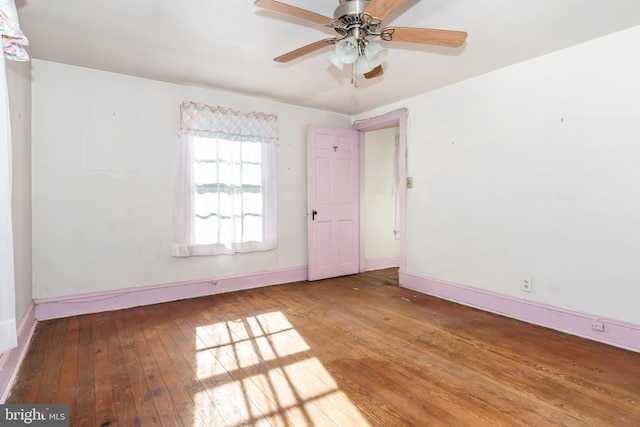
pixel 229 45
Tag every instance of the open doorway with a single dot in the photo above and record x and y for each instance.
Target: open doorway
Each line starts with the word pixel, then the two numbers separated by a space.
pixel 388 126
pixel 381 236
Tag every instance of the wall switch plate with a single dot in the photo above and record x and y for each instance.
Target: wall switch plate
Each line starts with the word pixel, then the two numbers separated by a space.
pixel 409 182
pixel 526 284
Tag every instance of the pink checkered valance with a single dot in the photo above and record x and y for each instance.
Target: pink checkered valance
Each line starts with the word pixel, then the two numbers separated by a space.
pixel 220 122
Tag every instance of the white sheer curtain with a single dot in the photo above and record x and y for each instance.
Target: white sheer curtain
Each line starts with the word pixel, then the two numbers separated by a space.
pixel 7 291
pixel 13 42
pixel 227 186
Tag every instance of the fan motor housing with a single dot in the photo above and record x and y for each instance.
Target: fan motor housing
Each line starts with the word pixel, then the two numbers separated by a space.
pixel 349 9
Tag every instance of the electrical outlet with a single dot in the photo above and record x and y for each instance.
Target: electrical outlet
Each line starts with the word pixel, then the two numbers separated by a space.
pixel 526 284
pixel 597 325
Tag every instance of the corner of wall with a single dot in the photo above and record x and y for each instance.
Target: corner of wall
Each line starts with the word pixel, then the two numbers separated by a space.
pixel 19 88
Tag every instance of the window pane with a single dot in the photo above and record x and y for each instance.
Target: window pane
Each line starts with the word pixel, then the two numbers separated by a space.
pixel 252 203
pixel 206 230
pixel 204 149
pixel 205 172
pixel 252 226
pixel 205 204
pixel 252 152
pixel 228 200
pixel 251 174
pixel 227 231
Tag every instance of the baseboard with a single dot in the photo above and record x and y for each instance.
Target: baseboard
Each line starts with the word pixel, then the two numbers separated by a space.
pixel 54 308
pixel 380 263
pixel 615 333
pixel 10 361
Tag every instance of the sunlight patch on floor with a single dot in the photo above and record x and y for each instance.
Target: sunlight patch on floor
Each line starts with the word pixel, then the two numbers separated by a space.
pixel 259 370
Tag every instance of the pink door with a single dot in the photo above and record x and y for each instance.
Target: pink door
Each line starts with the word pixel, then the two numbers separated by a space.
pixel 332 202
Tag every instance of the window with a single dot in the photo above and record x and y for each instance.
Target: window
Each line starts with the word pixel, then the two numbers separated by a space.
pixel 227 200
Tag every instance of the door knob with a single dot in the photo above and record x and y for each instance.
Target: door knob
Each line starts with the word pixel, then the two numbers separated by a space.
pixel 313 215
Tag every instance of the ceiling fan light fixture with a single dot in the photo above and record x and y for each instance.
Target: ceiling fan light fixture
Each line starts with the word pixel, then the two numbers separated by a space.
pixel 347 50
pixel 355 21
pixel 363 65
pixel 333 58
pixel 375 54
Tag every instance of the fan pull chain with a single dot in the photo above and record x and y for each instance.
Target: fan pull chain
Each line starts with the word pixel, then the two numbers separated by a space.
pixel 354 75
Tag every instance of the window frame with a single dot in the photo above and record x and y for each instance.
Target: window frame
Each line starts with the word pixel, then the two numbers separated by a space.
pixel 186 242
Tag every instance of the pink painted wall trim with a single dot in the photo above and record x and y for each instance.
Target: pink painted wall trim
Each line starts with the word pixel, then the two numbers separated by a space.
pixel 616 333
pixel 380 263
pixel 11 360
pixel 95 302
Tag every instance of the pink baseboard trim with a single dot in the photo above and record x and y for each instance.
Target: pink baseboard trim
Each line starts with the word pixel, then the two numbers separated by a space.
pixel 95 302
pixel 11 360
pixel 380 263
pixel 616 333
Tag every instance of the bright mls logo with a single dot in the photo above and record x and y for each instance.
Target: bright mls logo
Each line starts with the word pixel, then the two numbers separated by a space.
pixel 34 415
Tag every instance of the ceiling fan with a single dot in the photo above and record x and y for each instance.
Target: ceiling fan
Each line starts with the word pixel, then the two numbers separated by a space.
pixel 356 21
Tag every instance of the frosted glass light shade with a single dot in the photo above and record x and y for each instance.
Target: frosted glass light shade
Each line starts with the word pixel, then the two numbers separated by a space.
pixel 347 50
pixel 333 58
pixel 375 54
pixel 363 65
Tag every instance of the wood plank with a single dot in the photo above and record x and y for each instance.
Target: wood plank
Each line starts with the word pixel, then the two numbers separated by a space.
pixel 121 392
pixel 103 386
pixel 157 390
pixel 129 334
pixel 84 414
pixel 67 383
pixel 52 366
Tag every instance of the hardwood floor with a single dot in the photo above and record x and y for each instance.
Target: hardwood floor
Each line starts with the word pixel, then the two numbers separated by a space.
pixel 352 351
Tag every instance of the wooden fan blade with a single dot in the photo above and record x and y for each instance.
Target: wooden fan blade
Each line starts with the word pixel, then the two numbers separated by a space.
pixel 378 71
pixel 276 6
pixel 290 56
pixel 382 8
pixel 428 36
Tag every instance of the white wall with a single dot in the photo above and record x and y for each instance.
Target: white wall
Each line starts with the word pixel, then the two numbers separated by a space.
pixel 105 157
pixel 19 87
pixel 380 189
pixel 533 170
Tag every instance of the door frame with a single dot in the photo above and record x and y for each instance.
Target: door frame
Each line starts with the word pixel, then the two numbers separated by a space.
pixel 397 117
